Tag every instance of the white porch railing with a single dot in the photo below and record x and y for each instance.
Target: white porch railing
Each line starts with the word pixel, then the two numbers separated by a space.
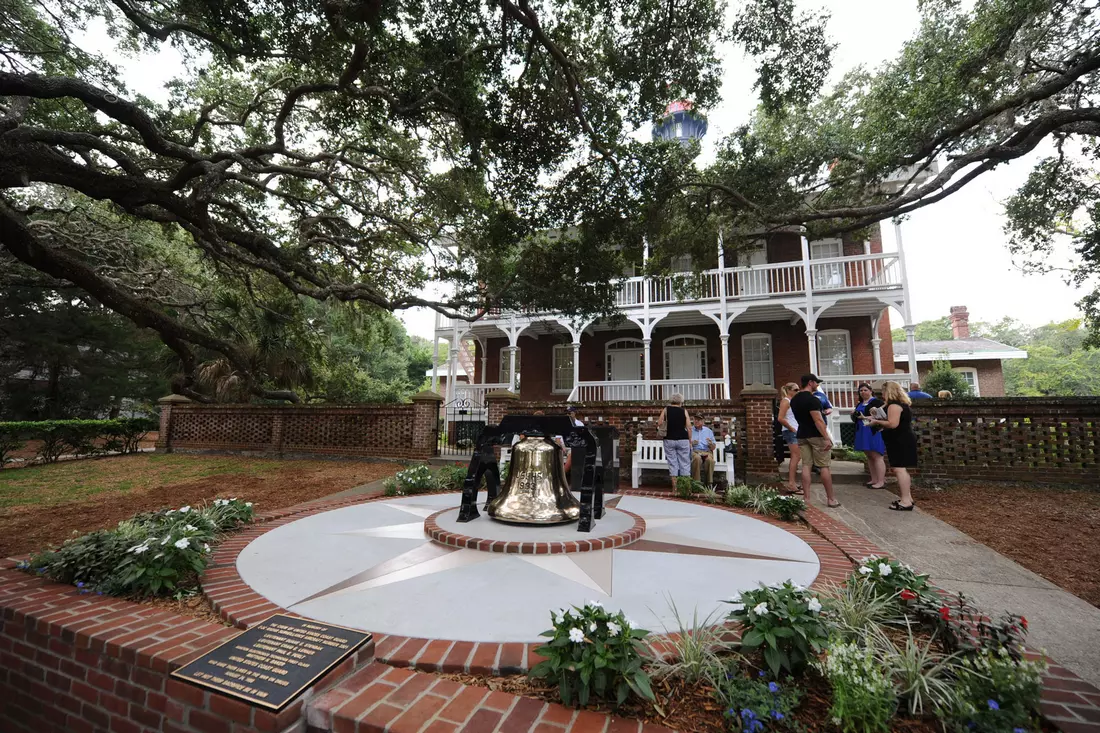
pixel 657 391
pixel 843 389
pixel 475 393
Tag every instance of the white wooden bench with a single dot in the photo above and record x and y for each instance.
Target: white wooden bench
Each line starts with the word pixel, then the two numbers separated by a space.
pixel 651 454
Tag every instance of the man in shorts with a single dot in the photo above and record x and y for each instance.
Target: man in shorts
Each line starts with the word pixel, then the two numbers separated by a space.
pixel 813 436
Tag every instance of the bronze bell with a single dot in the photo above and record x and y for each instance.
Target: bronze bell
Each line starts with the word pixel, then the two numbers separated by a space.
pixel 536 491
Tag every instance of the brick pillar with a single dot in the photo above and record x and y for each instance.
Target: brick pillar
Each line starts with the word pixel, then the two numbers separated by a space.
pixel 278 422
pixel 499 403
pixel 760 448
pixel 425 423
pixel 163 444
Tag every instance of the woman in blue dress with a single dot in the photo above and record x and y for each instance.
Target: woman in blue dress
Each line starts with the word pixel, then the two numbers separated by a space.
pixel 868 439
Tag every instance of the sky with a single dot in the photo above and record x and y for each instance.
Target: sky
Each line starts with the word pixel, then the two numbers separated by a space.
pixel 955 249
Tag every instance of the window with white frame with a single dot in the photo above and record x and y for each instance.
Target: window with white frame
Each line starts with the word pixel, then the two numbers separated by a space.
pixel 828 275
pixel 756 356
pixel 505 364
pixel 834 352
pixel 685 357
pixel 563 368
pixel 970 374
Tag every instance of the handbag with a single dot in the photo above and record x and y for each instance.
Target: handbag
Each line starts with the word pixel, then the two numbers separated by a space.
pixel 662 429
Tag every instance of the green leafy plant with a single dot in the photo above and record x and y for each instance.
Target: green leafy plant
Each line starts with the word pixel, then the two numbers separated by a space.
pixel 753 705
pixel 891 578
pixel 710 495
pixel 787 508
pixel 414 480
pixel 788 622
pixel 944 377
pixel 698 649
pixel 10 442
pixel 594 652
pixel 451 478
pixel 844 453
pixel 863 700
pixel 762 498
pixel 149 554
pixel 995 693
pixel 76 437
pixel 685 487
pixel 739 496
pixel 967 629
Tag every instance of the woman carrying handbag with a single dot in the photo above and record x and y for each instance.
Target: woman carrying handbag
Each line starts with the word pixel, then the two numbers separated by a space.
pixel 672 426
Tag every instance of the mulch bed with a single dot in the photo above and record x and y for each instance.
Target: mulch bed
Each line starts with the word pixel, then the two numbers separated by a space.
pixel 1051 531
pixel 196 606
pixel 30 528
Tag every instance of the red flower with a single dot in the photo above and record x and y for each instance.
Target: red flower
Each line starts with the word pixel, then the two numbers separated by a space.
pixel 1023 622
pixel 908 595
pixel 945 613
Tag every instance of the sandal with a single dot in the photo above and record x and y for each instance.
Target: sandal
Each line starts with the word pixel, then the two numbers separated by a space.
pixel 797 492
pixel 871 486
pixel 897 506
pixel 832 504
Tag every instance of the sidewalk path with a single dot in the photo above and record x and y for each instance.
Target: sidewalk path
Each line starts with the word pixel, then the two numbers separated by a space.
pixel 1062 624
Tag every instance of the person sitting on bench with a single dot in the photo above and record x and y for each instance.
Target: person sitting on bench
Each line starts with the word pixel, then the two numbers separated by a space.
pixel 702 450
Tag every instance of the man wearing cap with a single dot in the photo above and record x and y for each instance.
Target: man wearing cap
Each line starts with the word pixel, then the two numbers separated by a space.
pixel 813 436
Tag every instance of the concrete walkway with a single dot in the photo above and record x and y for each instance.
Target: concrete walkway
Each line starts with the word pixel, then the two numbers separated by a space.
pixel 1062 624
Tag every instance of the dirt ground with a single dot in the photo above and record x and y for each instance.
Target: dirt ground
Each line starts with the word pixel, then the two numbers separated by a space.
pixel 41 506
pixel 1050 531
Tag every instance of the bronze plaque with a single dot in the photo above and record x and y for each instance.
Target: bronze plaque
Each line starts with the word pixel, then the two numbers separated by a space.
pixel 271 663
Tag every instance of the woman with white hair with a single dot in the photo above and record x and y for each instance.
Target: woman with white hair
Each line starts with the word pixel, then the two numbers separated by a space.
pixel 672 425
pixel 900 440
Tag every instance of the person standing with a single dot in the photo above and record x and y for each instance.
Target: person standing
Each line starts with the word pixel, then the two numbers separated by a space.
pixel 702 450
pixel 868 439
pixel 813 436
pixel 790 436
pixel 674 421
pixel 901 442
pixel 916 393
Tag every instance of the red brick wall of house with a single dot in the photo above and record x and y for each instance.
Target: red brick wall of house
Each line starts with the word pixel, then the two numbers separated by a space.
pixel 991 378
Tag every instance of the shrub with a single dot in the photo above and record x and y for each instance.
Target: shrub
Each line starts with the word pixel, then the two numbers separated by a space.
pixel 967 629
pixel 685 487
pixel 451 478
pixel 78 437
pixel 415 480
pixel 787 622
pixel 995 693
pixel 593 651
pixel 739 496
pixel 125 434
pixel 855 607
pixel 10 441
pixel 786 508
pixel 922 676
pixel 149 554
pixel 943 377
pixel 864 700
pixel 756 705
pixel 710 494
pixel 761 499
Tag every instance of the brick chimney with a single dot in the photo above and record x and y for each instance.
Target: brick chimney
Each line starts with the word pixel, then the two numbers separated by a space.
pixel 960 322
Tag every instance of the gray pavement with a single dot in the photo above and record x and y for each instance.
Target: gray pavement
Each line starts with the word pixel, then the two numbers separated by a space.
pixel 1062 624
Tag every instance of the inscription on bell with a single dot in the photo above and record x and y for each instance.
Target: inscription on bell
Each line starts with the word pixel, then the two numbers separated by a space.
pixel 536 491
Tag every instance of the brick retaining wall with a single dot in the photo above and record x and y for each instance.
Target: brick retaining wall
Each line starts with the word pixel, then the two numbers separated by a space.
pixel 1010 439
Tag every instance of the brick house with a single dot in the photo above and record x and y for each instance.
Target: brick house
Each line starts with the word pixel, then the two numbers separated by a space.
pixel 978 359
pixel 761 315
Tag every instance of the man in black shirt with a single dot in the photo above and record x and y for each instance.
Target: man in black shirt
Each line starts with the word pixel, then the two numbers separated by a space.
pixel 813 436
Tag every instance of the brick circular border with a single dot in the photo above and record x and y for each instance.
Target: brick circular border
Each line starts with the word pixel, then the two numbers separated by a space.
pixel 556 547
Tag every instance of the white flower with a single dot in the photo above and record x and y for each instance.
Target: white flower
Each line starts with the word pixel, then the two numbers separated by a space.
pixel 189 527
pixel 865 570
pixel 248 503
pixel 613 628
pixel 182 543
pixel 185 509
pixel 630 622
pixel 884 569
pixel 799 587
pixel 814 605
pixel 170 511
pixel 597 604
pixel 576 635
pixel 761 609
pixel 138 549
pixel 165 540
pixel 206 548
pixel 592 626
pixel 735 598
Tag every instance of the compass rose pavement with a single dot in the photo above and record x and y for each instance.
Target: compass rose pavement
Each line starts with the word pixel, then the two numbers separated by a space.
pixel 370 566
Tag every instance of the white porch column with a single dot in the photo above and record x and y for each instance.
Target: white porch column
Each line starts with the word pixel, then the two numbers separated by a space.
pixel 576 363
pixel 911 349
pixel 811 338
pixel 648 374
pixel 452 369
pixel 876 353
pixel 725 365
pixel 483 346
pixel 512 368
pixel 435 363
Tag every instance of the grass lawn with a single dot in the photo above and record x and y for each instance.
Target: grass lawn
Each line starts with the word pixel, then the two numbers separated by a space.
pixel 1052 532
pixel 44 505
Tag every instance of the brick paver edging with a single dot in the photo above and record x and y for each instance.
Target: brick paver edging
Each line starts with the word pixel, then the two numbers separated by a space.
pixel 607 542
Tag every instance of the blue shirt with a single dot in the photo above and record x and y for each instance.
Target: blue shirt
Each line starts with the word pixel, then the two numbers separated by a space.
pixel 916 394
pixel 825 404
pixel 699 437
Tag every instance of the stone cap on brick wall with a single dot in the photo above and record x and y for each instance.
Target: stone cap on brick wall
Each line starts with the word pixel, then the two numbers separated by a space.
pixel 427 396
pixel 501 394
pixel 174 399
pixel 759 390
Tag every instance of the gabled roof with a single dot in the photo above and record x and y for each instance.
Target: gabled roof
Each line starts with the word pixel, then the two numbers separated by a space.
pixel 971 349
